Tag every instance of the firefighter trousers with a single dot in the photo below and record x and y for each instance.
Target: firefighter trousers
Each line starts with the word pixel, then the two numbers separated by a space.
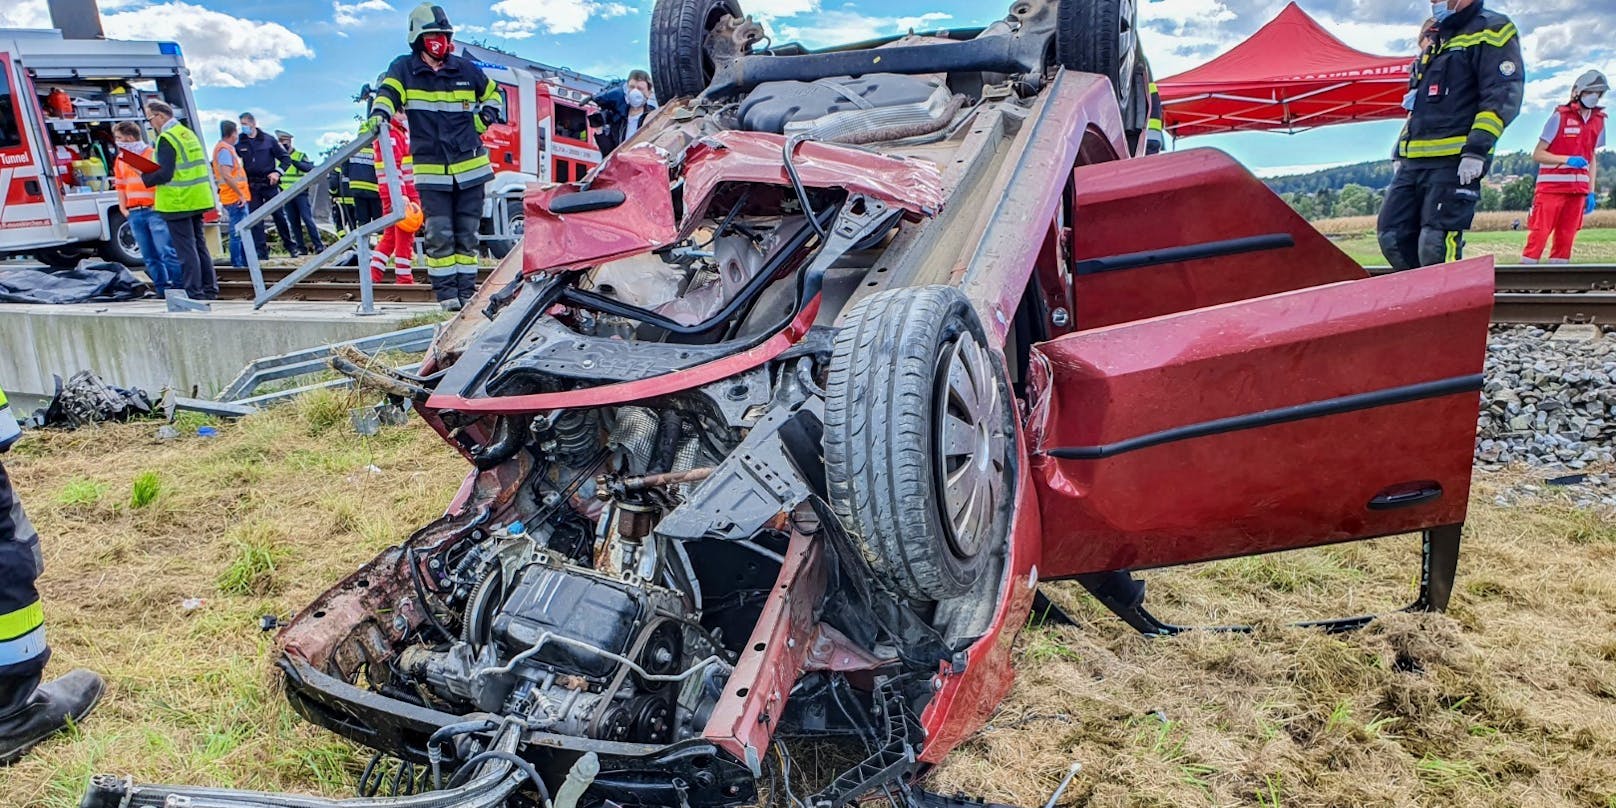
pixel 23 652
pixel 1559 215
pixel 454 215
pixel 1425 215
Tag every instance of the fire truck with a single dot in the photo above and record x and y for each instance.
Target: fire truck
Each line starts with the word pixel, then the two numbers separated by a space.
pixel 59 99
pixel 546 137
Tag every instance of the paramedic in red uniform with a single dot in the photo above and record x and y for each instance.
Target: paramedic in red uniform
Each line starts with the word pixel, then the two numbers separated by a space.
pixel 1568 172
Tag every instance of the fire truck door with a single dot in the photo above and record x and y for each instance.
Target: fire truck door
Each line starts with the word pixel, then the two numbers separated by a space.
pixel 32 214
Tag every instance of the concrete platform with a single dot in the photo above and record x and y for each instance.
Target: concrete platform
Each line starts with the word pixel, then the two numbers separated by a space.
pixel 141 344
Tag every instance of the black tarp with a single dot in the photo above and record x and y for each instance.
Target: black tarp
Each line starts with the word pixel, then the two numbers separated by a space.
pixel 86 283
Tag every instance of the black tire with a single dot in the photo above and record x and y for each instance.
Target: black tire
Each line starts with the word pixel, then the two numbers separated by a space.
pixel 1100 36
pixel 891 396
pixel 61 257
pixel 501 247
pixel 122 247
pixel 680 65
pixel 1136 113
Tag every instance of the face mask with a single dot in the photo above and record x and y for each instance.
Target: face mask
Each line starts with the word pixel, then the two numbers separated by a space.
pixel 1440 11
pixel 436 45
pixel 132 145
pixel 1590 100
pixel 246 131
pixel 636 98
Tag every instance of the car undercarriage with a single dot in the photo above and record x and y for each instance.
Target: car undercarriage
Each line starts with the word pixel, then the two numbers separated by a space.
pixel 782 413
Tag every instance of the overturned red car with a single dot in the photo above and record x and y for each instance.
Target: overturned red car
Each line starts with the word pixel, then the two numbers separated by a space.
pixel 784 412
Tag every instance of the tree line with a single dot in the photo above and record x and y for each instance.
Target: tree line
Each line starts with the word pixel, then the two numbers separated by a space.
pixel 1360 189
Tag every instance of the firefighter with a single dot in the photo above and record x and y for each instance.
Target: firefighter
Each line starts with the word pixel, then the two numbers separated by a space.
pixel 1467 87
pixel 29 712
pixel 450 102
pixel 1567 172
pixel 360 173
pixel 1155 136
pixel 397 243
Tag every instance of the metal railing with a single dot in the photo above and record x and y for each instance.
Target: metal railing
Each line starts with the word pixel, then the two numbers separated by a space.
pixel 356 239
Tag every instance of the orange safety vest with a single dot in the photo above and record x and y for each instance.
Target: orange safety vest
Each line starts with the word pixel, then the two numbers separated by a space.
pixel 132 193
pixel 237 172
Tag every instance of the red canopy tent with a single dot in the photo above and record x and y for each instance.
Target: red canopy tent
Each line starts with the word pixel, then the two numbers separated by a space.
pixel 1291 76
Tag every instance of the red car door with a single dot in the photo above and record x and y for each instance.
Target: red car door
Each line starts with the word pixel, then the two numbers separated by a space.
pixel 1332 413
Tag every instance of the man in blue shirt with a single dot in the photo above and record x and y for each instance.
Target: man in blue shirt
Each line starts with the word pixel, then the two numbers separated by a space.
pixel 264 160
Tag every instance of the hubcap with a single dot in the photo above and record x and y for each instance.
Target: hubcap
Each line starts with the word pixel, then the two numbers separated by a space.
pixel 126 239
pixel 972 443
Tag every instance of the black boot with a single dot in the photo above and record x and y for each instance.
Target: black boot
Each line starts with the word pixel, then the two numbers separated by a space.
pixel 48 711
pixel 466 286
pixel 445 291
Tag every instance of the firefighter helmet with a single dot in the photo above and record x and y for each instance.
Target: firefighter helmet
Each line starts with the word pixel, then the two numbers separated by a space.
pixel 1592 81
pixel 428 19
pixel 413 217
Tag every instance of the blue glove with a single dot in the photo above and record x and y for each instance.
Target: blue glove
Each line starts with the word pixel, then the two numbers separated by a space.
pixel 1577 162
pixel 1593 202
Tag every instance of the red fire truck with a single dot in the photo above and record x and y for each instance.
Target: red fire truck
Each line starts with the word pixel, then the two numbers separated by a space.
pixel 59 99
pixel 546 138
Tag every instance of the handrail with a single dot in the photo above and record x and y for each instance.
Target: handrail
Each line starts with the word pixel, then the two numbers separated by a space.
pixel 356 238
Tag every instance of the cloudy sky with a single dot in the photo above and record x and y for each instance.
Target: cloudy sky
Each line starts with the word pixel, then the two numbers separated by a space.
pixel 297 63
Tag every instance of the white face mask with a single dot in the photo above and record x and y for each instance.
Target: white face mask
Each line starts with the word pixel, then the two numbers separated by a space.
pixel 636 98
pixel 132 145
pixel 1590 100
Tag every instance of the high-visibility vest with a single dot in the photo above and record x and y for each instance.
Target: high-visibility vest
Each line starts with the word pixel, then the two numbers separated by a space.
pixel 131 191
pixel 191 188
pixel 292 174
pixel 1576 137
pixel 236 172
pixel 9 430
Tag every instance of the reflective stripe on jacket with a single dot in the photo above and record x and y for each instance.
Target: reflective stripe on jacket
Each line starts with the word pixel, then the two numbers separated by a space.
pixel 444 107
pixel 1575 138
pixel 191 188
pixel 9 429
pixel 235 173
pixel 292 174
pixel 132 193
pixel 360 171
pixel 1467 88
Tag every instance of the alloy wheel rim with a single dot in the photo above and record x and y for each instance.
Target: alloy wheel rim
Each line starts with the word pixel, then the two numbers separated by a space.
pixel 972 444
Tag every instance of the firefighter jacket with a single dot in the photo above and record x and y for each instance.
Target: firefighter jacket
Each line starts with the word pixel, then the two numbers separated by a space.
pixel 1467 88
pixel 360 171
pixel 448 109
pixel 1155 131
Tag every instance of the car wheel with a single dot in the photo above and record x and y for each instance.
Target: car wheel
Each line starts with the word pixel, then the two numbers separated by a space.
pixel 61 257
pixel 680 63
pixel 1100 36
pixel 499 248
pixel 122 247
pixel 919 440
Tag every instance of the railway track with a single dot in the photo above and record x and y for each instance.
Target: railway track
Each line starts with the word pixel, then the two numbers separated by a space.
pixel 1534 295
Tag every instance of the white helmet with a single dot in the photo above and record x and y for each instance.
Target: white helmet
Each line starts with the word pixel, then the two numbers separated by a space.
pixel 429 19
pixel 1592 81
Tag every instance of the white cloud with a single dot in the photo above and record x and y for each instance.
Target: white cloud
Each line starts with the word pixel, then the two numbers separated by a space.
pixel 1286 171
pixel 221 50
pixel 24 14
pixel 331 139
pixel 351 14
pixel 524 18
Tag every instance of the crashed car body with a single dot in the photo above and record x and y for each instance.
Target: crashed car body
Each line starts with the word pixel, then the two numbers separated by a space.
pixel 783 413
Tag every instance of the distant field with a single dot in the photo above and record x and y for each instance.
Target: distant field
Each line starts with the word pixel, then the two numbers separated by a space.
pixel 1594 246
pixel 1496 220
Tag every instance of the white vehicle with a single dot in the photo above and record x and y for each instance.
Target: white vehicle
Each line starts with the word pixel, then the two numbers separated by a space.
pixel 59 99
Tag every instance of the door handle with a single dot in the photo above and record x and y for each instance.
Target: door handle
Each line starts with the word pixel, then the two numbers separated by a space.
pixel 1404 495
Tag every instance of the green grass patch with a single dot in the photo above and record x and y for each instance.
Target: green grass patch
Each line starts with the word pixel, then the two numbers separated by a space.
pixel 258 547
pixel 1594 246
pixel 81 492
pixel 145 489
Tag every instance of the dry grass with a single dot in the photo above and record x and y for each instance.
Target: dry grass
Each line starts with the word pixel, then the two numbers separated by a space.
pixel 1485 222
pixel 1509 701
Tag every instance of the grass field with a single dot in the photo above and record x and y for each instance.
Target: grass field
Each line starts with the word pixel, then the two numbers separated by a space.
pixel 1508 701
pixel 1492 235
